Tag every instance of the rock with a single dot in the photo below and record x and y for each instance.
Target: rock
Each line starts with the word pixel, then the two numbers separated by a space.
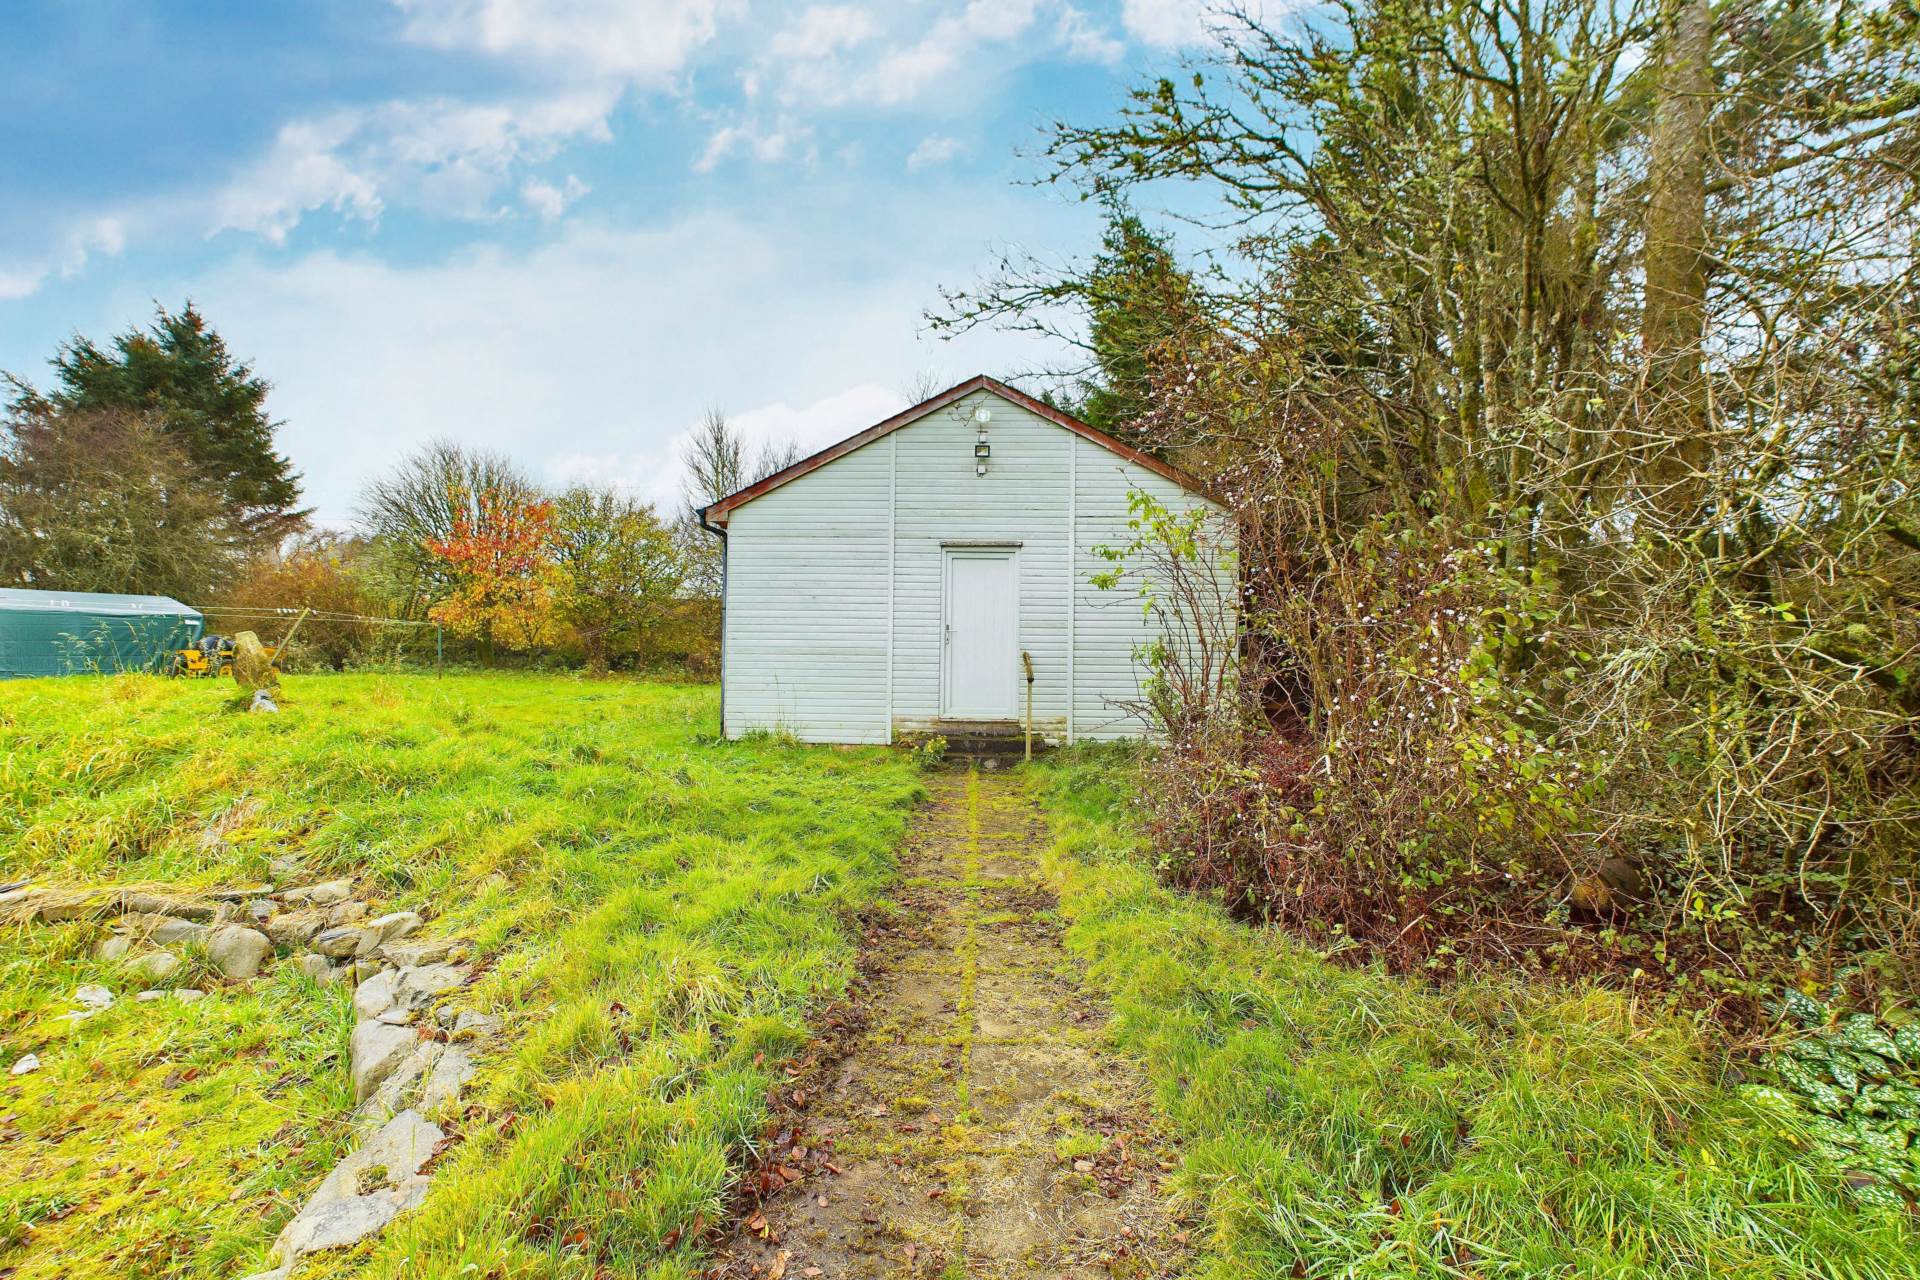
pixel 161 905
pixel 375 996
pixel 50 906
pixel 237 951
pixel 283 867
pixel 261 909
pixel 185 995
pixel 337 943
pixel 343 1211
pixel 397 924
pixel 449 1076
pixel 241 893
pixel 418 986
pixel 26 1065
pixel 1625 878
pixel 315 967
pixel 57 907
pixel 93 996
pixel 377 1049
pixel 468 1025
pixel 346 913
pixel 153 967
pixel 391 1096
pixel 406 954
pixel 324 894
pixel 396 995
pixel 170 931
pixel 112 947
pixel 336 1224
pixel 296 928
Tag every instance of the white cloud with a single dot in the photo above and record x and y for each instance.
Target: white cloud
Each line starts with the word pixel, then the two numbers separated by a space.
pixel 592 354
pixel 934 149
pixel 550 201
pixel 644 41
pixel 825 421
pixel 445 157
pixel 66 254
pixel 20 281
pixel 1178 24
pixel 1085 42
pixel 766 144
pixel 822 30
pixel 656 475
pixel 835 59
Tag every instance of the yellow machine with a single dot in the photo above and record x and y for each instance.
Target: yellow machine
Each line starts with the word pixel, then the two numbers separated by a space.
pixel 210 657
pixel 213 655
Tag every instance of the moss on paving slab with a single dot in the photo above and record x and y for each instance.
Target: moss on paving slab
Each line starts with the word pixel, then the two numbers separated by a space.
pixel 974 1126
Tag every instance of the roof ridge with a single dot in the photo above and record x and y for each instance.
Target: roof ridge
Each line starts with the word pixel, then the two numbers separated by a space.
pixel 719 509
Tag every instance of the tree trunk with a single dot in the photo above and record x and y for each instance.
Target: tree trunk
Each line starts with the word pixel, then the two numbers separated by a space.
pixel 1676 421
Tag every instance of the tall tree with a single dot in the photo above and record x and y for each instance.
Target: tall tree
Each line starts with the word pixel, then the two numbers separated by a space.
pixel 425 499
pixel 619 571
pixel 1140 302
pixel 499 559
pixel 178 373
pixel 1675 317
pixel 1592 320
pixel 718 462
pixel 108 500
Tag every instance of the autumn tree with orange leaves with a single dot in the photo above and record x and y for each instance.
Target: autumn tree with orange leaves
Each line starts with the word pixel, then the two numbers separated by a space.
pixel 498 554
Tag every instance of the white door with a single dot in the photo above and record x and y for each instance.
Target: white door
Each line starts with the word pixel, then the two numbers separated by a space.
pixel 981 630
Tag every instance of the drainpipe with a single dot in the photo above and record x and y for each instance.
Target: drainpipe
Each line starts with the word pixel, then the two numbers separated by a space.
pixel 720 532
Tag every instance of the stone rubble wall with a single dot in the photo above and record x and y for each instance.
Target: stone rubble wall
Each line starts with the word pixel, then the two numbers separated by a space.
pixel 411 1053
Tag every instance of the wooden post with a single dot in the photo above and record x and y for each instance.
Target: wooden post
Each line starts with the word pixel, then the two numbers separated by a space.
pixel 1026 660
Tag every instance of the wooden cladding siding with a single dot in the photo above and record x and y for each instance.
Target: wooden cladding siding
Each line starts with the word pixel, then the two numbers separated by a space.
pixel 805 641
pixel 834 619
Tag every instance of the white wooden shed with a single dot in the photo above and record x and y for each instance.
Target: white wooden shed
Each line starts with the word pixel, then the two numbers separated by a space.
pixel 889 585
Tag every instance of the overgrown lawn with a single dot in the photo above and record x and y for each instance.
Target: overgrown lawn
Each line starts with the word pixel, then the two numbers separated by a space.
pixel 1341 1122
pixel 654 911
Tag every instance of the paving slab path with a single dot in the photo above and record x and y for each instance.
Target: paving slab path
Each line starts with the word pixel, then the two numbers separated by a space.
pixel 969 1121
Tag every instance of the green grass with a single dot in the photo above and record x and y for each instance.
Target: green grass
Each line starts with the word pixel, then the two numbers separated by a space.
pixel 657 911
pixel 1344 1123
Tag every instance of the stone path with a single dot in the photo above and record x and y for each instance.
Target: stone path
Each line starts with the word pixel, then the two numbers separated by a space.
pixel 975 1125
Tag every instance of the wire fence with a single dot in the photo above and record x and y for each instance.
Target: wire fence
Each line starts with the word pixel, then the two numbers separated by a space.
pixel 258 615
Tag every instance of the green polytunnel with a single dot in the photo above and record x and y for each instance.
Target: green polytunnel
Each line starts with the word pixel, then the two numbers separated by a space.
pixel 58 633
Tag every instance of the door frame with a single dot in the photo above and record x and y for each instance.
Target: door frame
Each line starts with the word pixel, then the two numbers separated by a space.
pixel 950 552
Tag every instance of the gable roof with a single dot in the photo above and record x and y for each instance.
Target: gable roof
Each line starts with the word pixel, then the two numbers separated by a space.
pixel 715 515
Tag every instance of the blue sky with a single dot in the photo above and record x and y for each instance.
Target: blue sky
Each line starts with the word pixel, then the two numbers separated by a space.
pixel 557 229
